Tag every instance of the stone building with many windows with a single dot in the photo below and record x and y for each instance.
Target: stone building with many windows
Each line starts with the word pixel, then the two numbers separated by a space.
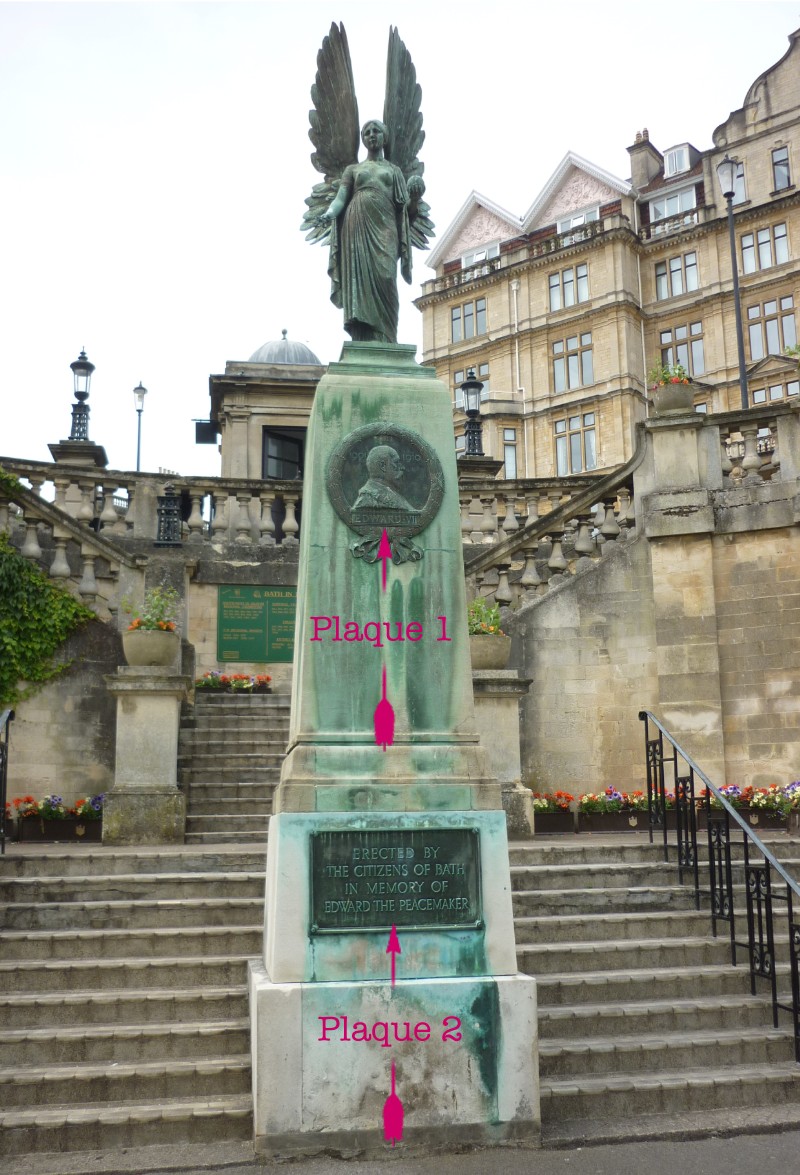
pixel 565 311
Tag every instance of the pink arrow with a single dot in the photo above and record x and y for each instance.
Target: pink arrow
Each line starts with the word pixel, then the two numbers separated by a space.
pixel 384 718
pixel 393 1116
pixel 384 554
pixel 394 950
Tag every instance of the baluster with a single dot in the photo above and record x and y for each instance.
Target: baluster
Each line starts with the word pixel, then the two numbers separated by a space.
pixel 195 522
pixel 85 512
pixel 502 593
pixel 30 548
pixel 88 585
pixel 476 514
pixel 60 500
pixel 751 462
pixel 108 516
pixel 584 545
pixel 557 563
pixel 610 529
pixel 725 456
pixel 736 455
pixel 36 485
pixel 290 525
pixel 267 526
pixel 532 507
pixel 59 568
pixel 120 525
pixel 624 517
pixel 530 578
pixel 219 523
pixel 466 526
pixel 510 523
pixel 243 518
pixel 489 521
pixel 773 450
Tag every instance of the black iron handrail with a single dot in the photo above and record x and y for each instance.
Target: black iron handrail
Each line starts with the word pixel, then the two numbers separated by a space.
pixel 759 890
pixel 6 718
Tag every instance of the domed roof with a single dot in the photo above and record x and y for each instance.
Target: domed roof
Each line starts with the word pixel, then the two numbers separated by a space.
pixel 284 350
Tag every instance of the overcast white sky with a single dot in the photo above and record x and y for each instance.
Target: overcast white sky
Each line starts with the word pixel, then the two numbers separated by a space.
pixel 154 163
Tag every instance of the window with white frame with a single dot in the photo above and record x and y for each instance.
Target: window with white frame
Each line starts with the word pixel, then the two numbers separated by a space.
pixel 781 177
pixel 576 444
pixel 684 345
pixel 569 286
pixel 573 362
pixel 771 327
pixel 676 160
pixel 468 320
pixel 775 392
pixel 510 452
pixel 485 253
pixel 675 276
pixel 681 205
pixel 739 193
pixel 481 372
pixel 579 218
pixel 764 248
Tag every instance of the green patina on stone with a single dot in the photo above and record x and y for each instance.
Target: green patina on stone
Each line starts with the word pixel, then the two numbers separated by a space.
pixel 485 1009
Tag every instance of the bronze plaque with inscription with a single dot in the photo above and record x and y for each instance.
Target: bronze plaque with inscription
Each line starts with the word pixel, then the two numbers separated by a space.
pixel 417 879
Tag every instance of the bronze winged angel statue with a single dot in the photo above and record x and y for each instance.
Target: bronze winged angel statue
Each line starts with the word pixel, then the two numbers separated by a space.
pixel 372 212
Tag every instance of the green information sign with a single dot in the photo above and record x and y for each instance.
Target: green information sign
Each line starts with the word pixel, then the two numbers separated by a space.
pixel 256 623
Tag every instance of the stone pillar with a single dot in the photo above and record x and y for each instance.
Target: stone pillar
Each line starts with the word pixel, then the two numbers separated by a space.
pixel 497 694
pixel 144 805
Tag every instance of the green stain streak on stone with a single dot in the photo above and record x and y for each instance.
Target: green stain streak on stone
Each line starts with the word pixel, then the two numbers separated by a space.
pixel 485 1009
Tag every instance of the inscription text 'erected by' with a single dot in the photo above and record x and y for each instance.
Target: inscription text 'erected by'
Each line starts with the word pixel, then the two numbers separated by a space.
pixel 409 878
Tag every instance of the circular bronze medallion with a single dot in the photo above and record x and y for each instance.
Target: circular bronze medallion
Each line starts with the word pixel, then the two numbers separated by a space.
pixel 382 476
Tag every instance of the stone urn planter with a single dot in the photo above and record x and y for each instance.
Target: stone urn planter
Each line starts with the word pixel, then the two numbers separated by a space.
pixel 489 652
pixel 673 398
pixel 145 646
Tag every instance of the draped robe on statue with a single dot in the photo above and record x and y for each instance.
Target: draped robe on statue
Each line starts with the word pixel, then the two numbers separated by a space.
pixel 367 240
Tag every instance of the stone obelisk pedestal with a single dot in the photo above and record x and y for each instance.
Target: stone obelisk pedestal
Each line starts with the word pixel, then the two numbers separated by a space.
pixel 366 837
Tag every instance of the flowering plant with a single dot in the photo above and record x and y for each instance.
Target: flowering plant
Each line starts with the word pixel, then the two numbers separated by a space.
pixel 483 618
pixel 89 808
pixel 159 610
pixel 612 800
pixel 238 682
pixel 52 807
pixel 552 801
pixel 669 373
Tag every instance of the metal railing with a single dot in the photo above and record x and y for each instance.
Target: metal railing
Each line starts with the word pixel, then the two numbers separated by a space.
pixel 765 879
pixel 6 718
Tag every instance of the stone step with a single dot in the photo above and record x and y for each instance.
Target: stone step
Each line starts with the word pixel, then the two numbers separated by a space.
pixel 602 875
pixel 613 955
pixel 222 827
pixel 239 808
pixel 240 702
pixel 68 945
pixel 49 1085
pixel 204 742
pixel 635 986
pixel 627 1095
pixel 99 915
pixel 134 886
pixel 583 849
pixel 104 1127
pixel 569 928
pixel 123 1044
pixel 206 792
pixel 241 760
pixel 258 837
pixel 123 974
pixel 134 1007
pixel 259 772
pixel 583 1021
pixel 621 899
pixel 62 862
pixel 696 1050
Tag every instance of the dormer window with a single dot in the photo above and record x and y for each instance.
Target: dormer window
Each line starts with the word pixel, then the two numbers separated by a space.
pixel 676 160
pixel 578 218
pixel 478 256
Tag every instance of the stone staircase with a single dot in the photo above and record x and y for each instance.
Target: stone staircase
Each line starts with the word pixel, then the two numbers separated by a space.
pixel 124 1000
pixel 229 758
pixel 123 995
pixel 645 1029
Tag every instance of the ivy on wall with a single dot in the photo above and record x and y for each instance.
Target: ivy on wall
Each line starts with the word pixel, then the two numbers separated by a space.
pixel 36 617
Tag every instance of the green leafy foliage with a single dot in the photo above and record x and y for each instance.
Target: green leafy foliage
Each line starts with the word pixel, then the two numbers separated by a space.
pixel 36 617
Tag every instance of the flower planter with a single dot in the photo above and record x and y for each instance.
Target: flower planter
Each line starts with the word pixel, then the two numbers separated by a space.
pixel 489 652
pixel 548 823
pixel 612 821
pixel 71 829
pixel 145 646
pixel 669 398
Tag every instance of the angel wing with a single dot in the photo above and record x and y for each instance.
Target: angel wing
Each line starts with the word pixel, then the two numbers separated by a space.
pixel 403 118
pixel 334 127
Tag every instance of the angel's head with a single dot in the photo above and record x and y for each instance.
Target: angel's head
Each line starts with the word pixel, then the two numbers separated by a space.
pixel 374 135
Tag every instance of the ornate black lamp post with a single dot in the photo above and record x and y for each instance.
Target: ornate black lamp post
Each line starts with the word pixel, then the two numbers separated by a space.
pixel 726 173
pixel 82 377
pixel 139 394
pixel 473 431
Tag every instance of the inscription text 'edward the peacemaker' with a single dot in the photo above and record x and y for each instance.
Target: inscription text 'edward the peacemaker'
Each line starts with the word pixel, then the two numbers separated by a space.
pixel 415 878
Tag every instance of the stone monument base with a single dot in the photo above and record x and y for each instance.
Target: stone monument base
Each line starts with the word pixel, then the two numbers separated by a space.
pixel 464 1052
pixel 144 817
